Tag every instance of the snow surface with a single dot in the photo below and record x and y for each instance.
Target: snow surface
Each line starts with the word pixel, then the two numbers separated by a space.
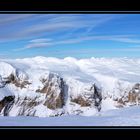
pixel 114 76
pixel 121 117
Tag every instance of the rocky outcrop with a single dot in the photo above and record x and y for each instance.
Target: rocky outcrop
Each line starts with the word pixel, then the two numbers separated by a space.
pixel 26 105
pixel 16 81
pixel 10 74
pixel 53 87
pixel 6 104
pixel 91 97
pixel 131 98
pixel 134 94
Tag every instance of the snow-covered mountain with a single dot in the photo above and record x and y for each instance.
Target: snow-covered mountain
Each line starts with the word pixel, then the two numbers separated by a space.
pixel 44 87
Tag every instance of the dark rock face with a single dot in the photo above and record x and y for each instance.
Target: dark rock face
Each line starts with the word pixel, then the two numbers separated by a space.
pixel 26 106
pixel 6 104
pixel 97 97
pixel 92 97
pixel 54 90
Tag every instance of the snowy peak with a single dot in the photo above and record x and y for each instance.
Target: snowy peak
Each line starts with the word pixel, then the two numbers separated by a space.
pixel 6 69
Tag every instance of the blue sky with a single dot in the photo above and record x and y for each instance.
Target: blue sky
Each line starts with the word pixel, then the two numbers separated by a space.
pixel 69 35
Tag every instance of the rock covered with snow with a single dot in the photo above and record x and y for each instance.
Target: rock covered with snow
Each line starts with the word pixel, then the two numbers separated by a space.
pixel 53 87
pixel 9 74
pixel 6 69
pixel 89 97
pixel 134 94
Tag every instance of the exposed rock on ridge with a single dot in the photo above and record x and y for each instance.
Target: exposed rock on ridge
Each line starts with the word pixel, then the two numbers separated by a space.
pixel 54 90
pixel 91 97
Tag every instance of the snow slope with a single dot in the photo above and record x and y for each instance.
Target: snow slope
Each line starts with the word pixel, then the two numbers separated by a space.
pixel 115 77
pixel 121 117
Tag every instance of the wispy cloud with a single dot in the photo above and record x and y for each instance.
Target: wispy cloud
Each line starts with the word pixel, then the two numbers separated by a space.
pixel 38 43
pixel 11 18
pixel 129 49
pixel 49 24
pixel 118 38
pixel 19 32
pixel 40 40
pixel 126 40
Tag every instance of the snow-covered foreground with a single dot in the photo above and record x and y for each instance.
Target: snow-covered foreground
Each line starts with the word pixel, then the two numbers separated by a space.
pixel 121 117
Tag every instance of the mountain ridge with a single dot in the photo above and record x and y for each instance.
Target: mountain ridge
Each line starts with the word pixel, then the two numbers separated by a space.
pixel 44 87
